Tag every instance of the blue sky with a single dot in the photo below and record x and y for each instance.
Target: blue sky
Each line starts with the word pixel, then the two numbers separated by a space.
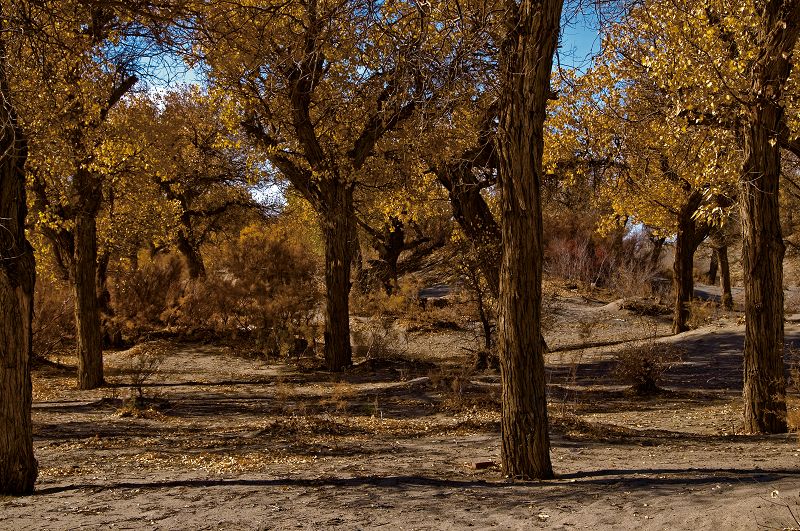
pixel 580 39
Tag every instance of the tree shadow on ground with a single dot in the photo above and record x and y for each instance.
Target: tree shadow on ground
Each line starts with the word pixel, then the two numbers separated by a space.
pixel 630 479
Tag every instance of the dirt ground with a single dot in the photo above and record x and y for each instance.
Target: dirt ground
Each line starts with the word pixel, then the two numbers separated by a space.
pixel 409 439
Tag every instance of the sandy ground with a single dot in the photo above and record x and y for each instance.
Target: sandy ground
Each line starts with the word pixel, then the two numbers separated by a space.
pixel 226 441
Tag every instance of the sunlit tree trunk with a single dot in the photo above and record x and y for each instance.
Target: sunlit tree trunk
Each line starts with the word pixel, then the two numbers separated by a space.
pixel 338 228
pixel 526 61
pixel 87 314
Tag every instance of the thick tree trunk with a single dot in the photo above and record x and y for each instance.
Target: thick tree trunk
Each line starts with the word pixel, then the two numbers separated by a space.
pixel 87 315
pixel 194 260
pixel 18 467
pixel 339 229
pixel 682 282
pixel 526 58
pixel 764 391
pixel 725 276
pixel 689 237
pixel 762 263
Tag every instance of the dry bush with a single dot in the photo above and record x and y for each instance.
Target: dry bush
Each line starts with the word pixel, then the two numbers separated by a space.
pixel 632 277
pixel 143 363
pixel 792 356
pixel 404 301
pixel 702 313
pixel 146 296
pixel 577 259
pixel 263 284
pixel 54 318
pixel 378 338
pixel 642 366
pixel 645 307
pixel 452 381
pixel 792 303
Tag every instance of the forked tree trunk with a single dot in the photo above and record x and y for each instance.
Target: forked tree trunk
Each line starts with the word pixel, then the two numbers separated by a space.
pixel 18 467
pixel 476 220
pixel 87 315
pixel 338 228
pixel 526 58
pixel 764 391
pixel 655 254
pixel 725 276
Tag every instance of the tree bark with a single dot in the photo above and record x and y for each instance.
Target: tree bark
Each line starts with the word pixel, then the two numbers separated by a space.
pixel 194 260
pixel 725 276
pixel 87 314
pixel 526 63
pixel 713 268
pixel 339 229
pixel 688 239
pixel 18 466
pixel 762 243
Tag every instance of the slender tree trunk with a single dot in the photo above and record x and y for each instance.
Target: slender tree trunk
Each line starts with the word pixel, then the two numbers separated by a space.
pixel 87 315
pixel 103 295
pixel 764 391
pixel 655 254
pixel 18 467
pixel 526 59
pixel 725 276
pixel 713 267
pixel 339 229
pixel 194 260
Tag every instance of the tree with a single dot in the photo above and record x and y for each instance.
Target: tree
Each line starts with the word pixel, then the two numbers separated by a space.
pixel 727 65
pixel 319 85
pixel 75 63
pixel 203 171
pixel 526 61
pixel 18 467
pixel 676 181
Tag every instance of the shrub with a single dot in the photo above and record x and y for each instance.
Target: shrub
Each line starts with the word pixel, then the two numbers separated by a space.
pixel 54 319
pixel 643 365
pixel 146 295
pixel 144 360
pixel 378 338
pixel 262 283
